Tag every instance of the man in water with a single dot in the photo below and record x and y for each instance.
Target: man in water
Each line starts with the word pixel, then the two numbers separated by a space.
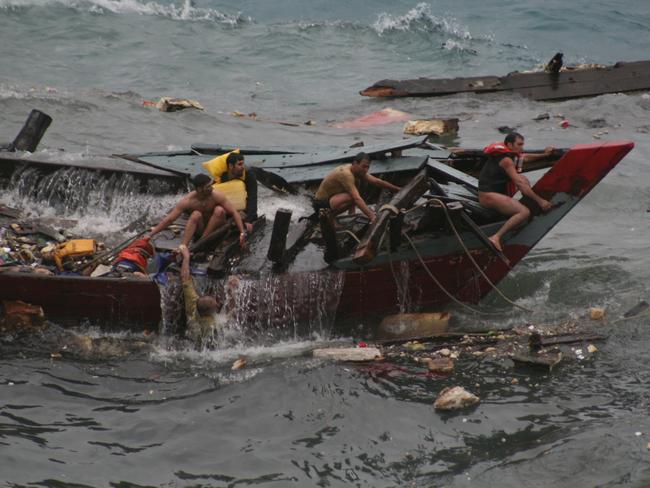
pixel 199 311
pixel 207 209
pixel 498 171
pixel 339 191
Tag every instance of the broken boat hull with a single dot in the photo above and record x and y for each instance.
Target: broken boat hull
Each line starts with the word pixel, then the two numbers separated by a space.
pixel 378 288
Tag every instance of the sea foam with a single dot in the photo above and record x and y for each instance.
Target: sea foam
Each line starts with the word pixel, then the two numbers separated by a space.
pixel 184 11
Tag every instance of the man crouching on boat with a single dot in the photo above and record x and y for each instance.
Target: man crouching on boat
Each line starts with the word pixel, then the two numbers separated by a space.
pixel 200 312
pixel 339 191
pixel 498 172
pixel 207 209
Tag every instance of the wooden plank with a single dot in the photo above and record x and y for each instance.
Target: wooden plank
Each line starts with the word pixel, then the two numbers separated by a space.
pixel 95 163
pixel 621 77
pixel 367 248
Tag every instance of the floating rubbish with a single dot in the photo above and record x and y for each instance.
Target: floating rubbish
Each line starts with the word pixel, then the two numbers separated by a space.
pixel 544 361
pixel 564 124
pixel 544 116
pixel 439 365
pixel 637 309
pixel 348 353
pixel 413 325
pixel 169 104
pixel 455 398
pixel 596 313
pixel 381 117
pixel 238 364
pixel 592 349
pixel 434 127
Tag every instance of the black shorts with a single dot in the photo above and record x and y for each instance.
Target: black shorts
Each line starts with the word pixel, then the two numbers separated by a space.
pixel 320 204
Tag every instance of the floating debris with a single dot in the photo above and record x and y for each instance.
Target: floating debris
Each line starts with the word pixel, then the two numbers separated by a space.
pixel 455 398
pixel 169 104
pixel 348 353
pixel 596 313
pixel 432 127
pixel 413 325
pixel 238 364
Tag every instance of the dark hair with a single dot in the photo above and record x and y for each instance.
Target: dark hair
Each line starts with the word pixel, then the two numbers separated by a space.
pixel 200 180
pixel 233 158
pixel 512 137
pixel 360 157
pixel 206 305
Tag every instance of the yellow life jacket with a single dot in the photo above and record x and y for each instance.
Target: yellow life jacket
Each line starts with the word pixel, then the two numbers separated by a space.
pixel 235 190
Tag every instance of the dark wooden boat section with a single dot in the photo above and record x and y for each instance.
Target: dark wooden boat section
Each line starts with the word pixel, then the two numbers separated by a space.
pixel 367 285
pixel 570 83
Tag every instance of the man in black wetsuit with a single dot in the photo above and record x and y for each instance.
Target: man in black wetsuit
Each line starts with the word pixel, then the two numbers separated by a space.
pixel 498 171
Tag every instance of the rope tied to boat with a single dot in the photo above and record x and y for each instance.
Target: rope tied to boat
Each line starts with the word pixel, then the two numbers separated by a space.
pixel 392 208
pixel 440 203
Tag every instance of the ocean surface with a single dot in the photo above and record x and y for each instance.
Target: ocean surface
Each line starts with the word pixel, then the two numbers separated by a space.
pixel 175 417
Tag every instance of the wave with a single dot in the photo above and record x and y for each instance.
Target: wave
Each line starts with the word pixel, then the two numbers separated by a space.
pixel 186 11
pixel 421 18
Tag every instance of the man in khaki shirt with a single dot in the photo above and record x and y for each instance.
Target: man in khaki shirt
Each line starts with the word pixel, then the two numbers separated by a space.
pixel 199 311
pixel 339 191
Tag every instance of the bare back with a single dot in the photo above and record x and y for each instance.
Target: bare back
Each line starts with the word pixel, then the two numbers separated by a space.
pixel 192 201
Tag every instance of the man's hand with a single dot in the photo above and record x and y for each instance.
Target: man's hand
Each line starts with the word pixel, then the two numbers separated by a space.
pixel 548 150
pixel 242 239
pixel 545 205
pixel 372 216
pixel 249 227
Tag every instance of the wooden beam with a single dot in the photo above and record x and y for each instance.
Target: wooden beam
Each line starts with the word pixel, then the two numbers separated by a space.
pixel 367 248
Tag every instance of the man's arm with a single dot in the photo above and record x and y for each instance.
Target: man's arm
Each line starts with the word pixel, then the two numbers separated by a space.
pixel 221 199
pixel 361 204
pixel 548 151
pixel 522 183
pixel 185 265
pixel 169 219
pixel 373 180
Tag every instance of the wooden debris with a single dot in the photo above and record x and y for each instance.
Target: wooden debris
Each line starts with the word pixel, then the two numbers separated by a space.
pixel 432 127
pixel 169 104
pixel 637 309
pixel 546 361
pixel 439 365
pixel 596 313
pixel 239 363
pixel 348 353
pixel 592 349
pixel 278 244
pixel 413 325
pixel 455 398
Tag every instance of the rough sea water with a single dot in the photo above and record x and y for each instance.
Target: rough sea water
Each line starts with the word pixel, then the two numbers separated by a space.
pixel 172 416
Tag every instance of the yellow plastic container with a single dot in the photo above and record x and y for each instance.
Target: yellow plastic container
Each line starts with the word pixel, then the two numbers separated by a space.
pixel 74 249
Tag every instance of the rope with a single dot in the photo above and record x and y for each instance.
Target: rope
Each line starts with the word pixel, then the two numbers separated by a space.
pixel 387 206
pixel 346 231
pixel 440 285
pixel 478 268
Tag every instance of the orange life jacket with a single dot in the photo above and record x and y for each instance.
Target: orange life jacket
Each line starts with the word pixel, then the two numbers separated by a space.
pixel 501 148
pixel 138 252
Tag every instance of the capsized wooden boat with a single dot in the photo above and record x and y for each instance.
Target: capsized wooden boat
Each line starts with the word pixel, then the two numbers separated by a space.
pixel 570 83
pixel 359 280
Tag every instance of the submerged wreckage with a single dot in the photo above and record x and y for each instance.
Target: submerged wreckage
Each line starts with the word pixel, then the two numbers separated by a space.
pixel 554 83
pixel 428 244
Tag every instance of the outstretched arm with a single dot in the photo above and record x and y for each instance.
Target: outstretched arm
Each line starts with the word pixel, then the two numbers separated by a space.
pixel 185 265
pixel 522 184
pixel 169 219
pixel 361 204
pixel 548 151
pixel 373 180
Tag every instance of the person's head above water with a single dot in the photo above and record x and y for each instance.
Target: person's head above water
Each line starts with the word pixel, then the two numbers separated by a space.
pixel 206 305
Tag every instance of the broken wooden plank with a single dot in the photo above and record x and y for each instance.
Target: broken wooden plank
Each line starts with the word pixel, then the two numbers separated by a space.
pixel 367 248
pixel 356 354
pixel 542 361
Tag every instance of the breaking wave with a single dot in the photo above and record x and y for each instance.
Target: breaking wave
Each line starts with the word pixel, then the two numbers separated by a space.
pixel 421 18
pixel 185 11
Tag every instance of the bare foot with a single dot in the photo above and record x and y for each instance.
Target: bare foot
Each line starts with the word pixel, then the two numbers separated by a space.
pixel 496 241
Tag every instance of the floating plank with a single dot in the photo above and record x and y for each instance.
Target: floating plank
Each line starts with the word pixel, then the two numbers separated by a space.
pixel 348 353
pixel 571 83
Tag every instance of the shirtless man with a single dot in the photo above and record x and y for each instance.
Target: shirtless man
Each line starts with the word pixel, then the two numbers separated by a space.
pixel 339 191
pixel 493 181
pixel 207 209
